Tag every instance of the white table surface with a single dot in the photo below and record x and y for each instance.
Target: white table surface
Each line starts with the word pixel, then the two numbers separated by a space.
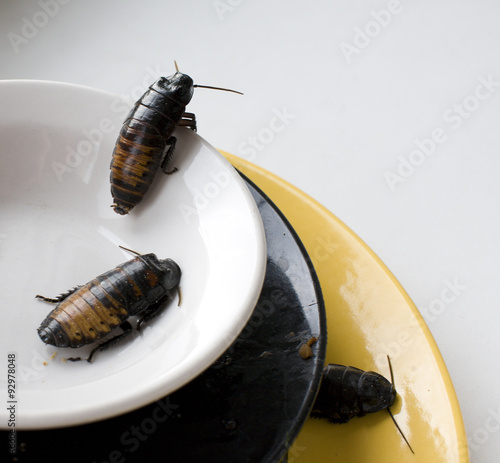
pixel 386 112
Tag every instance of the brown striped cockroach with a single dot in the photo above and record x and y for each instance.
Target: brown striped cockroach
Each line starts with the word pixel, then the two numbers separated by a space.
pixel 346 392
pixel 86 314
pixel 144 136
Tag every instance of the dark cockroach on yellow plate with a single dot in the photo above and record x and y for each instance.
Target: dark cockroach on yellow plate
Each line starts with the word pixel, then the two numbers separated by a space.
pixel 145 134
pixel 346 392
pixel 87 314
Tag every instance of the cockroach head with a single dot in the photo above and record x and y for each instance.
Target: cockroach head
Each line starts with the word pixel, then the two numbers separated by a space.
pixel 170 272
pixel 377 392
pixel 178 86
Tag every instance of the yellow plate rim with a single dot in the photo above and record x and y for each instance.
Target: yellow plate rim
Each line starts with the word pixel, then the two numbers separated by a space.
pixel 304 213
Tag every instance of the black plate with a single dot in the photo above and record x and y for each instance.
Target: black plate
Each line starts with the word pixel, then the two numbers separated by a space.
pixel 247 407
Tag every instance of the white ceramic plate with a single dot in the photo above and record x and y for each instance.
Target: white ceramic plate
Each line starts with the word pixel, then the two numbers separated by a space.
pixel 57 230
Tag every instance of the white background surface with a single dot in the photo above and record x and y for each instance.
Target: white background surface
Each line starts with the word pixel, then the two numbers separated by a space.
pixel 357 89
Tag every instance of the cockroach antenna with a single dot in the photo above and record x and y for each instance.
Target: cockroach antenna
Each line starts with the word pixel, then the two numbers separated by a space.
pixel 130 250
pixel 389 410
pixel 218 88
pixel 207 86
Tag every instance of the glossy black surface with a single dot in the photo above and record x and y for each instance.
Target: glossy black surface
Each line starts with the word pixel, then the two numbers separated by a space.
pixel 247 407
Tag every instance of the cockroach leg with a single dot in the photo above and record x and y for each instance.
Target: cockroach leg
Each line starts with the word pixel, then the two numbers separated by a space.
pixel 60 298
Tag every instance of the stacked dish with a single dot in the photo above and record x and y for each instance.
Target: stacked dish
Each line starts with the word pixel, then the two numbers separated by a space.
pixel 218 376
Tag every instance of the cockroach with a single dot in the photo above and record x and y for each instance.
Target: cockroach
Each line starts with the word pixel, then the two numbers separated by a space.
pixel 346 392
pixel 145 134
pixel 88 313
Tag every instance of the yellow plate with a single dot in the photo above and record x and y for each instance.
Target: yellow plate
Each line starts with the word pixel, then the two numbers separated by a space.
pixel 369 316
